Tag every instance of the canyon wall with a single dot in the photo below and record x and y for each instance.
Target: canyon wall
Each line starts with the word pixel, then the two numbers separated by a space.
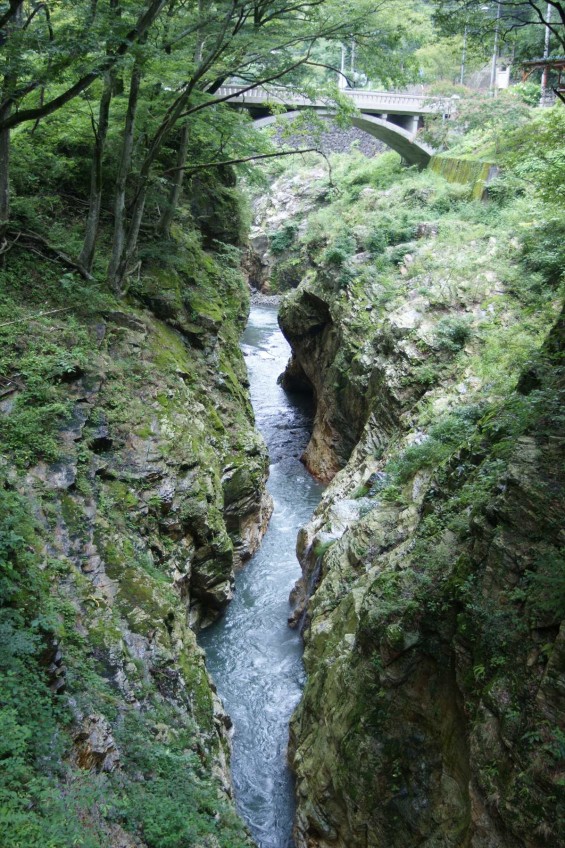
pixel 432 595
pixel 132 486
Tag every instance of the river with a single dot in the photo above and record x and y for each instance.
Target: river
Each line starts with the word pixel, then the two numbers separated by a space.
pixel 252 655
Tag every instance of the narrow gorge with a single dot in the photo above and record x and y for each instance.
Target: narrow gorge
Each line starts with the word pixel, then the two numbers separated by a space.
pixel 422 392
pixel 282 477
pixel 253 656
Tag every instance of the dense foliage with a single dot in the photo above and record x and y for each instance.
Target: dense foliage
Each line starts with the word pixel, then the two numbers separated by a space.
pixel 122 102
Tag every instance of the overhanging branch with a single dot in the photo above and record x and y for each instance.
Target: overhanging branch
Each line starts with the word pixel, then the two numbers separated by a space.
pixel 240 161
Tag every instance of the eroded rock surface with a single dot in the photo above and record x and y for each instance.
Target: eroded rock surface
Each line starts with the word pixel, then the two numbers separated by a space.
pixel 433 709
pixel 435 690
pixel 154 496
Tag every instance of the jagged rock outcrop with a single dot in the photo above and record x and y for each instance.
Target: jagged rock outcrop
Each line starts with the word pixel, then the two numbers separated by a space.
pixel 432 596
pixel 435 660
pixel 149 492
pixel 277 217
pixel 346 357
pixel 180 454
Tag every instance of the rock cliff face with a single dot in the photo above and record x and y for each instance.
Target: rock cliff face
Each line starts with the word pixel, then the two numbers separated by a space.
pixel 433 709
pixel 435 657
pixel 328 337
pixel 278 218
pixel 150 495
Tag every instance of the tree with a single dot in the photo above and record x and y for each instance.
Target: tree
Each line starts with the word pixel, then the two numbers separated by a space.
pixel 259 43
pixel 536 154
pixel 155 68
pixel 505 16
pixel 55 52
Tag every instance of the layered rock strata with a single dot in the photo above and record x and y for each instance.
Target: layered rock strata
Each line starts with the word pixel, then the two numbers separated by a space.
pixel 432 596
pixel 152 494
pixel 435 656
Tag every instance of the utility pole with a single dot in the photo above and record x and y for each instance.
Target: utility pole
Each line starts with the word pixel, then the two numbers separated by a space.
pixel 342 81
pixel 463 57
pixel 495 50
pixel 545 72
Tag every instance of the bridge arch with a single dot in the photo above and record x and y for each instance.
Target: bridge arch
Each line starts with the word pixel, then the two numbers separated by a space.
pixel 397 138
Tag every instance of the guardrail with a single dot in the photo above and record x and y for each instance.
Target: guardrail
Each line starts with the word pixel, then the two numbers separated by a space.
pixel 378 102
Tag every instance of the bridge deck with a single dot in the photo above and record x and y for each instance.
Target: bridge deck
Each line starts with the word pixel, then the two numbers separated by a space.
pixel 370 102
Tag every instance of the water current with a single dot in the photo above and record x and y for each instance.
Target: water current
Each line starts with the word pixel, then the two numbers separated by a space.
pixel 254 658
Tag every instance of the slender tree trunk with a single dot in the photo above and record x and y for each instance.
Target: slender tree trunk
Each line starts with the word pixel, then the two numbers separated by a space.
pixel 130 239
pixel 86 257
pixel 10 82
pixel 4 179
pixel 115 270
pixel 164 225
pixel 128 236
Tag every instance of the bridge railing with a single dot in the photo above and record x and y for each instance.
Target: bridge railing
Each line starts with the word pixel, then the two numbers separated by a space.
pixel 382 102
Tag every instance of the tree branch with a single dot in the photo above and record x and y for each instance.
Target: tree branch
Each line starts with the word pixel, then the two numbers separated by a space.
pixel 37 315
pixel 134 35
pixel 62 257
pixel 10 13
pixel 240 161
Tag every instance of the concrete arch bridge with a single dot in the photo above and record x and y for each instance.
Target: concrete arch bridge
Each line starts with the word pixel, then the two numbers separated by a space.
pixel 389 116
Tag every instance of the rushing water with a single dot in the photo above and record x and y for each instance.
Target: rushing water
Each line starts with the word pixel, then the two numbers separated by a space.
pixel 254 658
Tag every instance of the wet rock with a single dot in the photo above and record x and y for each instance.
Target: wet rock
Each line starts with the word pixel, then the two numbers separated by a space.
pixel 95 745
pixel 59 475
pixel 426 230
pixel 127 320
pixel 99 438
pixel 7 405
pixel 52 660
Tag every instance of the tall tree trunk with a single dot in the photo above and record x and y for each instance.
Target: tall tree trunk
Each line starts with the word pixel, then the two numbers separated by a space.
pixel 130 240
pixel 4 179
pixel 164 225
pixel 13 22
pixel 128 235
pixel 86 257
pixel 116 270
pixel 175 112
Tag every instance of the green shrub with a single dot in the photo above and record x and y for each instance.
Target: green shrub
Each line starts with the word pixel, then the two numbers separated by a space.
pixel 447 436
pixel 543 250
pixel 397 254
pixel 390 232
pixel 377 242
pixel 451 334
pixel 39 363
pixel 339 251
pixel 427 374
pixel 283 239
pixel 173 806
pixel 547 585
